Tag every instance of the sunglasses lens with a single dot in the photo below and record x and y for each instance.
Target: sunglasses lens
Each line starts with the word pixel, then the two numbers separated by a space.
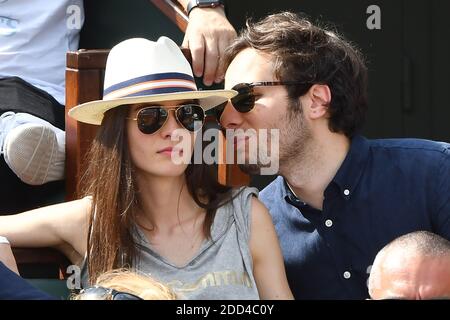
pixel 125 296
pixel 150 120
pixel 94 293
pixel 245 100
pixel 191 116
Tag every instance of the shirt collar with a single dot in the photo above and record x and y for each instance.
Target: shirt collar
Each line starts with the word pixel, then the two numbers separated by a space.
pixel 289 195
pixel 348 175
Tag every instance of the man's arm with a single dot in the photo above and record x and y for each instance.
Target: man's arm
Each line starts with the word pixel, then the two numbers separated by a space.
pixel 207 36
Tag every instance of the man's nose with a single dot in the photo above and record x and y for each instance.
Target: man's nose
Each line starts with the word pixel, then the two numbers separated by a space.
pixel 230 118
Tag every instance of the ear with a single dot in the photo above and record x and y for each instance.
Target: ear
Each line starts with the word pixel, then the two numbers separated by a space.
pixel 320 95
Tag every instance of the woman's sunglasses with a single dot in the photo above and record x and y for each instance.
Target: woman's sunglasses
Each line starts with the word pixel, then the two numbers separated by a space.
pixel 244 101
pixel 102 293
pixel 151 119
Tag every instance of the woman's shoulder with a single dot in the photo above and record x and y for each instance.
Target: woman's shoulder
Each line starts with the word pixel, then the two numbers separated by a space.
pixel 242 194
pixel 239 208
pixel 241 200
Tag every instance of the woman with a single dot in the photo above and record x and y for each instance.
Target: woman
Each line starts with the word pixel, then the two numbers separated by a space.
pixel 144 210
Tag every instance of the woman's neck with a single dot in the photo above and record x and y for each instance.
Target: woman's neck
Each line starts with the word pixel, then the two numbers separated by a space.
pixel 165 202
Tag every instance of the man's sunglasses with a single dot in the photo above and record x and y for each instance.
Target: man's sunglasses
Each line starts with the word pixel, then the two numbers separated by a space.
pixel 244 101
pixel 102 293
pixel 151 119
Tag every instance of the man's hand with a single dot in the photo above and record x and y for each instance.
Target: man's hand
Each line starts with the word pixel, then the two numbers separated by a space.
pixel 7 257
pixel 207 36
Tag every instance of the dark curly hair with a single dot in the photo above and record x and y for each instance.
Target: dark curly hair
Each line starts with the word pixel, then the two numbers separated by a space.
pixel 310 54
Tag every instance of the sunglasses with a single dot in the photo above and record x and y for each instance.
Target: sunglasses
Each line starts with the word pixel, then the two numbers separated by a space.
pixel 151 119
pixel 102 293
pixel 244 101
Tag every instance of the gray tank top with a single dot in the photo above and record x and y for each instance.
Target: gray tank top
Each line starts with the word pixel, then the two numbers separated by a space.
pixel 222 268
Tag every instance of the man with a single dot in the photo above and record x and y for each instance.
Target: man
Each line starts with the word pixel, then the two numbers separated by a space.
pixel 340 197
pixel 415 266
pixel 33 46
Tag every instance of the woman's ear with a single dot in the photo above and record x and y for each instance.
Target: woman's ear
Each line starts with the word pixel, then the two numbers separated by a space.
pixel 320 95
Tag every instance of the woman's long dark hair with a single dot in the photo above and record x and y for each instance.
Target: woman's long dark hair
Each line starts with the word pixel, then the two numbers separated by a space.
pixel 110 181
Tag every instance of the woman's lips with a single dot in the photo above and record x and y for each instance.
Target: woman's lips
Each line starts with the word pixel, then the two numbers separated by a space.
pixel 170 150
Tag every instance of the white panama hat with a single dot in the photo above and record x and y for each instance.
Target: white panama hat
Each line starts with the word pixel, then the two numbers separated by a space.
pixel 141 71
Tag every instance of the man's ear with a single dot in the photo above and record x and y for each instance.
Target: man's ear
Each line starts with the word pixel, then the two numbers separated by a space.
pixel 320 95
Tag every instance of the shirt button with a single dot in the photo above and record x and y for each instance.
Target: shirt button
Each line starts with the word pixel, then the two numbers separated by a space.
pixel 347 275
pixel 329 223
pixel 346 192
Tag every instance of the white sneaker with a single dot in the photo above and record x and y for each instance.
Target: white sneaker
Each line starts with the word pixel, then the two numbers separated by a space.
pixel 33 148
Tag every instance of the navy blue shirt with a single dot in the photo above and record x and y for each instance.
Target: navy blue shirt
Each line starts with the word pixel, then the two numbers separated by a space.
pixel 383 189
pixel 13 287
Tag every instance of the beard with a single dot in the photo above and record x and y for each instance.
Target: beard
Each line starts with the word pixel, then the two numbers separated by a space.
pixel 262 155
pixel 295 136
pixel 252 169
pixel 293 141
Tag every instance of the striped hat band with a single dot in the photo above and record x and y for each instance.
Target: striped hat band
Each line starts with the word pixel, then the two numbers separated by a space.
pixel 169 82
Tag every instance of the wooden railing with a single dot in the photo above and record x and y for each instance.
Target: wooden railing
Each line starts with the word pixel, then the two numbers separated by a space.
pixel 84 82
pixel 174 12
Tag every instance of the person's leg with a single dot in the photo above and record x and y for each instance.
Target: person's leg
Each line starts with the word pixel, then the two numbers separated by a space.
pixel 30 141
pixel 33 148
pixel 19 96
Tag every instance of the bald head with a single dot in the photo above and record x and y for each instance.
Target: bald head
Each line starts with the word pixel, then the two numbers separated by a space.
pixel 413 266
